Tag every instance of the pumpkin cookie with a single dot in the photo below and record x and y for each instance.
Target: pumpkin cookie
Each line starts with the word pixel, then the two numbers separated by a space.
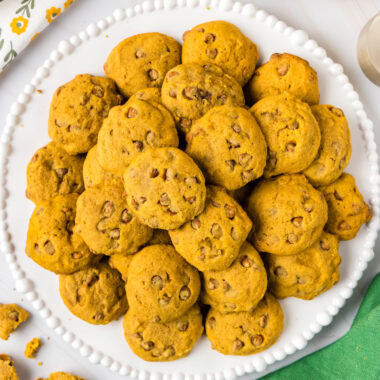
pixel 284 72
pixel 121 263
pixel 222 44
pixel 190 90
pixel 239 287
pixel 11 316
pixel 131 129
pixel 335 150
pixel 347 208
pixel 78 109
pixel 307 274
pixel 246 332
pixel 160 237
pixel 94 174
pixel 165 188
pixel 228 146
pixel 52 172
pixel 291 131
pixel 62 376
pixel 154 341
pixel 105 222
pixel 161 285
pixel 288 213
pixel 7 368
pixel 51 240
pixel 213 239
pixel 142 61
pixel 95 294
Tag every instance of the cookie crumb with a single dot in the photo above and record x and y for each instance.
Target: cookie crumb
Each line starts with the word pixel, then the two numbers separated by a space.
pixel 32 347
pixel 40 363
pixel 106 36
pixel 39 91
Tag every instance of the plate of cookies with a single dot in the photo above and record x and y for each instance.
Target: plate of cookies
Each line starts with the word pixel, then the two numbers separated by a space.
pixel 193 192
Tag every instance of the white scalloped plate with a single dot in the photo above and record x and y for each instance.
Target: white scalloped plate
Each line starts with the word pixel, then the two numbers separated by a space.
pixel 86 52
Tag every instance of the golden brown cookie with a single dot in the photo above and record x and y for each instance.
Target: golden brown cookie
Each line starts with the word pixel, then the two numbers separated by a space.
pixel 7 368
pixel 32 348
pixel 95 294
pixel 94 174
pixel 159 237
pixel 77 111
pixel 121 263
pixel 141 61
pixel 284 72
pixel 165 188
pixel 222 44
pixel 347 208
pixel 307 274
pixel 213 239
pixel 239 287
pixel 335 150
pixel 62 376
pixel 246 333
pixel 105 221
pixel 291 131
pixel 11 316
pixel 51 240
pixel 131 129
pixel 288 213
pixel 155 341
pixel 51 172
pixel 228 146
pixel 161 285
pixel 190 90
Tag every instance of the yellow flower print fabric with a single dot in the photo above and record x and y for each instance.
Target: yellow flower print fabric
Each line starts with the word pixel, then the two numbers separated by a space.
pixel 22 20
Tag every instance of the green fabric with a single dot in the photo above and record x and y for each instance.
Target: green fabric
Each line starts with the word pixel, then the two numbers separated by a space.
pixel 355 356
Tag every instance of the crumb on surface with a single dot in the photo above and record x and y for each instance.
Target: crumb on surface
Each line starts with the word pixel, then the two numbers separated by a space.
pixel 40 363
pixel 39 91
pixel 106 35
pixel 32 348
pixel 21 125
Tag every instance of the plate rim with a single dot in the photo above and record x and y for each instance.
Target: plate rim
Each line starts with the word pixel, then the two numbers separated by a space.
pixel 299 38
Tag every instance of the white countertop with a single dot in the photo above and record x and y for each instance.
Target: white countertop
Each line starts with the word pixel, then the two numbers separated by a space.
pixel 335 24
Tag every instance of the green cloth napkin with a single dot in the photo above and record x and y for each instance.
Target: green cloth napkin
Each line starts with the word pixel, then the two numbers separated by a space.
pixel 355 356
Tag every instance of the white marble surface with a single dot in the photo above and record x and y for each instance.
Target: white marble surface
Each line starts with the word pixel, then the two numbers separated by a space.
pixel 335 24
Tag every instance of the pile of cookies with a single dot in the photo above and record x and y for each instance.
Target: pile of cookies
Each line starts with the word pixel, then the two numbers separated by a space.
pixel 163 196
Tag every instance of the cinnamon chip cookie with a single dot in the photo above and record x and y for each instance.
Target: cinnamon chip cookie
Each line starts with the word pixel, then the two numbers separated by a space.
pixel 335 150
pixel 155 341
pixel 131 129
pixel 161 286
pixel 95 294
pixel 78 109
pixel 246 332
pixel 106 223
pixel 291 131
pixel 222 44
pixel 213 239
pixel 239 287
pixel 165 188
pixel 307 274
pixel 52 172
pixel 228 146
pixel 284 72
pixel 191 89
pixel 347 208
pixel 289 214
pixel 141 61
pixel 52 242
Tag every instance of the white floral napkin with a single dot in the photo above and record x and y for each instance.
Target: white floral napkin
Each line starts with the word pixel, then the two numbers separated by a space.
pixel 21 21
